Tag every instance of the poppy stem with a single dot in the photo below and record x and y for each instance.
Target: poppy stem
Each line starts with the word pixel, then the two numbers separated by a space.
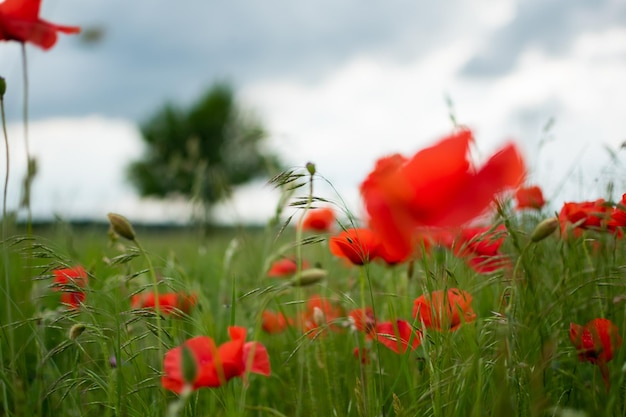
pixel 29 172
pixel 7 301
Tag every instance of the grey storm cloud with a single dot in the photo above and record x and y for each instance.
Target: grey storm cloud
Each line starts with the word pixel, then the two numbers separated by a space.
pixel 152 51
pixel 550 26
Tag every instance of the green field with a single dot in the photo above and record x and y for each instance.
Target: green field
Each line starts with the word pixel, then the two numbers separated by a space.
pixel 515 358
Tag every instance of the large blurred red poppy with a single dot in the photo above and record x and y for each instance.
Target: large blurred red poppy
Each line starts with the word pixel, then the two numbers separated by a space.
pixel 596 342
pixel 438 186
pixel 444 310
pixel 19 21
pixel 71 282
pixel 212 366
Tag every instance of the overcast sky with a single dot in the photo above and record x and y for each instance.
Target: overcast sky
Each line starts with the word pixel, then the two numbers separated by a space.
pixel 337 83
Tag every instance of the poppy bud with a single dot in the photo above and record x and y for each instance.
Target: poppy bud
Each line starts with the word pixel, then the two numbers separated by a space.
pixel 76 330
pixel 3 87
pixel 308 277
pixel 310 166
pixel 544 229
pixel 121 226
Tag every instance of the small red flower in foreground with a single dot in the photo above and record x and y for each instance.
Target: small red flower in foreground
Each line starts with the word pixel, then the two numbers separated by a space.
pixel 319 219
pixel 444 311
pixel 584 215
pixel 274 322
pixel 71 282
pixel 168 303
pixel 285 267
pixel 359 246
pixel 438 186
pixel 19 21
pixel 214 366
pixel 529 198
pixel 596 342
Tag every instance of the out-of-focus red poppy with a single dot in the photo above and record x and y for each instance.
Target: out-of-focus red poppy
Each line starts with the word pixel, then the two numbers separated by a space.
pixel 168 303
pixel 285 267
pixel 71 282
pixel 444 310
pixel 19 21
pixel 438 186
pixel 584 215
pixel 319 219
pixel 274 322
pixel 480 246
pixel 596 342
pixel 212 366
pixel 362 354
pixel 618 216
pixel 358 245
pixel 529 198
pixel 397 335
pixel 363 319
pixel 320 314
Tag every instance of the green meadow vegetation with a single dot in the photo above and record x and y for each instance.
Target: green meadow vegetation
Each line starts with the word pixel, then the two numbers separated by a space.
pixel 106 358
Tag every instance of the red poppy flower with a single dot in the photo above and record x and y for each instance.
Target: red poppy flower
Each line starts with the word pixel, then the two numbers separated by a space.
pixel 359 246
pixel 274 322
pixel 596 342
pixel 618 215
pixel 285 267
pixel 320 314
pixel 363 319
pixel 214 366
pixel 362 354
pixel 438 186
pixel 169 303
pixel 398 335
pixel 584 215
pixel 19 21
pixel 529 198
pixel 480 246
pixel 444 311
pixel 71 282
pixel 319 219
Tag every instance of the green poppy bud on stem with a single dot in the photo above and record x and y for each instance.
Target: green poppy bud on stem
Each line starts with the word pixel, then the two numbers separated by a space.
pixel 308 277
pixel 310 166
pixel 76 330
pixel 544 229
pixel 3 87
pixel 121 226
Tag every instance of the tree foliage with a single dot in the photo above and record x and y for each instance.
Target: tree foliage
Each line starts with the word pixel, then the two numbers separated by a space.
pixel 202 152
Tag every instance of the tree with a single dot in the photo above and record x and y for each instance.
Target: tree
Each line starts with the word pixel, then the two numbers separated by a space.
pixel 202 152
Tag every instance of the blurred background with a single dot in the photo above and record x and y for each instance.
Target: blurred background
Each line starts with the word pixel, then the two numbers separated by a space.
pixel 339 84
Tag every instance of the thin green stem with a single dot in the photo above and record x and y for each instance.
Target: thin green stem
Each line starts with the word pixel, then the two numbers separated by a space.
pixel 29 223
pixel 7 301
